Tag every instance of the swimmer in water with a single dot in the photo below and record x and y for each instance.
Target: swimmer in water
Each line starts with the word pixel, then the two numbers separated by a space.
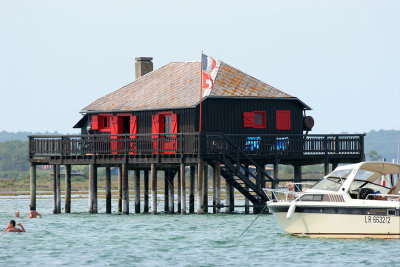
pixel 11 227
pixel 17 215
pixel 33 213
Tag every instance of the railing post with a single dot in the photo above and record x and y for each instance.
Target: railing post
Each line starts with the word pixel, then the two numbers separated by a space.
pixel 126 144
pixel 181 144
pixel 362 158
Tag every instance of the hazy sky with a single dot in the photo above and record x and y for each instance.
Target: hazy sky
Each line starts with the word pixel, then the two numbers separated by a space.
pixel 342 58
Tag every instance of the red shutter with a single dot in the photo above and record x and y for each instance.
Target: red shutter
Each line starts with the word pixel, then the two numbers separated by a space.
pixel 283 120
pixel 156 124
pixel 114 125
pixel 248 119
pixel 133 125
pixel 174 123
pixel 155 130
pixel 95 122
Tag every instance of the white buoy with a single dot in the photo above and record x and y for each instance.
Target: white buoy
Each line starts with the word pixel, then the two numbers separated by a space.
pixel 291 210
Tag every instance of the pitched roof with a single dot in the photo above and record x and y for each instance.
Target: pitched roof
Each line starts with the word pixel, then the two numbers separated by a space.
pixel 177 85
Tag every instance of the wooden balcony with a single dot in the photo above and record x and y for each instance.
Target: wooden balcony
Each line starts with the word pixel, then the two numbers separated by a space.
pixel 189 147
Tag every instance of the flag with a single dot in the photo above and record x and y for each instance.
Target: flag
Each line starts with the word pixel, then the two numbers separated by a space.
pixel 207 82
pixel 208 63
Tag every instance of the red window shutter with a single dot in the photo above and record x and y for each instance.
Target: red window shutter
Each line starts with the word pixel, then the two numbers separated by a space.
pixel 114 125
pixel 95 122
pixel 283 120
pixel 133 125
pixel 174 123
pixel 248 119
pixel 156 124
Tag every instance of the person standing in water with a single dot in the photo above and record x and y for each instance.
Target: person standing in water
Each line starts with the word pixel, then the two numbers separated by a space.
pixel 17 215
pixel 11 227
pixel 33 213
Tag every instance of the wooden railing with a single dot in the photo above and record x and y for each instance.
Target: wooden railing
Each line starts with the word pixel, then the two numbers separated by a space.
pixel 286 144
pixel 194 143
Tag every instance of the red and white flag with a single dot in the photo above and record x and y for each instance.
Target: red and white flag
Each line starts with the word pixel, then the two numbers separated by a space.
pixel 207 81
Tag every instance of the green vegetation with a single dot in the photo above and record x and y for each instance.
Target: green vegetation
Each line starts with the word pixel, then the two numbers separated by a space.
pixel 14 166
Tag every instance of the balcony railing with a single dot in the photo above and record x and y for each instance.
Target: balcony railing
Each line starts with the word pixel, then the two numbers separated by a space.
pixel 193 143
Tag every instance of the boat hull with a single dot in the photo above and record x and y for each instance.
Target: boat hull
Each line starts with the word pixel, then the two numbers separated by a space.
pixel 340 225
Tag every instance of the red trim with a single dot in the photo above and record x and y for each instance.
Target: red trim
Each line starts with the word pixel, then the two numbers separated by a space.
pixel 283 120
pixel 248 119
pixel 95 122
pixel 263 118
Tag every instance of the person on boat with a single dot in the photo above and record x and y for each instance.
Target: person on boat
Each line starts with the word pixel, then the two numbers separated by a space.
pixel 11 227
pixel 33 213
pixel 17 215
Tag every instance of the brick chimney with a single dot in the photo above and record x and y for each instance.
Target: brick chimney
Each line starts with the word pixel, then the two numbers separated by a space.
pixel 143 65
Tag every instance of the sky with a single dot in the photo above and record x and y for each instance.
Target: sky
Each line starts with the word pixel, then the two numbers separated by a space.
pixel 341 58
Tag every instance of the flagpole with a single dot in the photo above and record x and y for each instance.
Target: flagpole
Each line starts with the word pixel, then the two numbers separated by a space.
pixel 201 87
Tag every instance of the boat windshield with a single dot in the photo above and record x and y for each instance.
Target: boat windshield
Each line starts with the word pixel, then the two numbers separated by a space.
pixel 329 184
pixel 334 181
pixel 363 174
pixel 356 184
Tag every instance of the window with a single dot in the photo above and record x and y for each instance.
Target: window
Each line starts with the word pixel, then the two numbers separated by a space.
pixel 255 119
pixel 167 124
pixel 283 120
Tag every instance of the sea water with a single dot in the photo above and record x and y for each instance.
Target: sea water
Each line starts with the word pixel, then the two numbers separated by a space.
pixel 82 239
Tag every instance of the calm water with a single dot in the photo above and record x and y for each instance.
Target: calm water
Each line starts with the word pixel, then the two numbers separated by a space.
pixel 79 239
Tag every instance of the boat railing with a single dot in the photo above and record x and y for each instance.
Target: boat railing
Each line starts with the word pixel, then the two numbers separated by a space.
pixel 289 192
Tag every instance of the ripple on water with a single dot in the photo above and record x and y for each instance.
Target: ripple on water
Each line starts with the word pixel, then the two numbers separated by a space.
pixel 79 239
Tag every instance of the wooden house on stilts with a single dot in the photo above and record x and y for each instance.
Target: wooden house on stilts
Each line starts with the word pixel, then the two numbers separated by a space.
pixel 158 122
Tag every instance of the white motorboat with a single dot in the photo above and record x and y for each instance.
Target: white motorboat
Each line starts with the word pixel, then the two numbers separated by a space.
pixel 354 201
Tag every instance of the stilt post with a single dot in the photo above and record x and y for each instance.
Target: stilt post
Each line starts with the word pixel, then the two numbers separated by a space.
pixel 146 191
pixel 32 172
pixel 108 190
pixel 179 185
pixel 92 188
pixel 217 171
pixel 125 189
pixel 192 188
pixel 200 184
pixel 153 189
pixel 137 191
pixel 120 189
pixel 205 189
pixel 171 191
pixel 166 194
pixel 67 188
pixel 183 189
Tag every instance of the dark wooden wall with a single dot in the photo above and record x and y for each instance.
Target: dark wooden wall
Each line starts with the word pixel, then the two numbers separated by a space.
pixel 226 115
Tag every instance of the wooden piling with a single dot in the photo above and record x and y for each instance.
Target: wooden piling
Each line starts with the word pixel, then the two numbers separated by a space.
pixel 217 171
pixel 214 186
pixel 192 188
pixel 179 186
pixel 120 189
pixel 153 189
pixel 183 189
pixel 137 190
pixel 54 189
pixel 146 191
pixel 228 198
pixel 32 172
pixel 246 200
pixel 125 189
pixel 205 189
pixel 326 167
pixel 92 188
pixel 297 177
pixel 171 191
pixel 232 200
pixel 108 190
pixel 200 184
pixel 166 194
pixel 67 189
